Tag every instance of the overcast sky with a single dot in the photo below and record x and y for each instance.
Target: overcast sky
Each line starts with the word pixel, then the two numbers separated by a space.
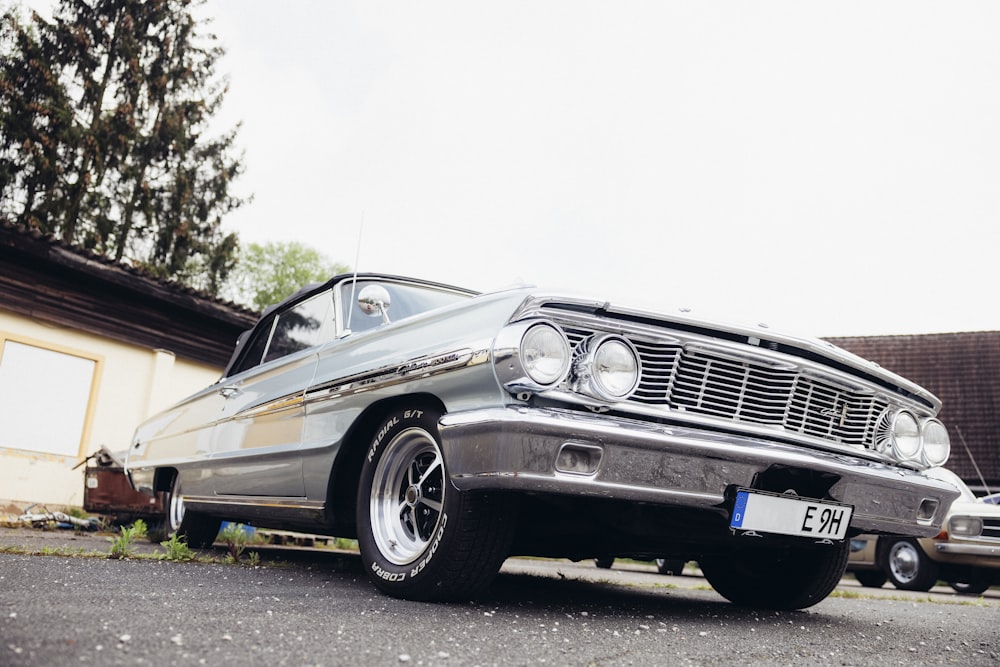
pixel 829 168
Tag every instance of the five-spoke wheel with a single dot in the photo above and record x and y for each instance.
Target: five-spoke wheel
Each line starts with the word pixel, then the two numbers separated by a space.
pixel 407 496
pixel 420 537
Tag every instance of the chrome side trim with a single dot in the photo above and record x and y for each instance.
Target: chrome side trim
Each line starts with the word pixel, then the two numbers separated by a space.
pixel 283 404
pixel 387 376
pixel 256 501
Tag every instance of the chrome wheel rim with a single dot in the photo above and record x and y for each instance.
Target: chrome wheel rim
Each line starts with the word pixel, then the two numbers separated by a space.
pixel 904 562
pixel 175 508
pixel 407 496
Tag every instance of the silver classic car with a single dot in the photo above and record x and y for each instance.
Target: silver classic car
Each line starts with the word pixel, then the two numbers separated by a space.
pixel 447 430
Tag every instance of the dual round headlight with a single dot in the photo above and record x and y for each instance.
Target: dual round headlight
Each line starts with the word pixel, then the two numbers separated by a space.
pixel 606 367
pixel 545 354
pixel 536 355
pixel 531 356
pixel 908 439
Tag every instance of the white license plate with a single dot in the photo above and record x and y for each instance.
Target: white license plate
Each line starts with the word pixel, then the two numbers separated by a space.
pixel 788 515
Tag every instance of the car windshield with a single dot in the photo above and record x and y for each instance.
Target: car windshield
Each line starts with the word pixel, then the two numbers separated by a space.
pixel 406 300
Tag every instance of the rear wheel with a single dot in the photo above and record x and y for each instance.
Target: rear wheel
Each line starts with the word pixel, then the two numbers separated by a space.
pixel 604 563
pixel 421 538
pixel 200 530
pixel 777 578
pixel 907 566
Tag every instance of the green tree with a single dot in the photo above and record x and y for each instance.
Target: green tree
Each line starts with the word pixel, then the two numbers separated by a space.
pixel 104 137
pixel 268 273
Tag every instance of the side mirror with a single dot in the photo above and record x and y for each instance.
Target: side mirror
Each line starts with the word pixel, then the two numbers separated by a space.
pixel 374 301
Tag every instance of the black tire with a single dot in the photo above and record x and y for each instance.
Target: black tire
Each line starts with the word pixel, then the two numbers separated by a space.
pixel 972 586
pixel 871 578
pixel 670 566
pixel 200 530
pixel 420 538
pixel 604 563
pixel 777 578
pixel 157 530
pixel 906 564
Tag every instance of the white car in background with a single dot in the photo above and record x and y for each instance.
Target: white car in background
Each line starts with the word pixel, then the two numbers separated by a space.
pixel 965 554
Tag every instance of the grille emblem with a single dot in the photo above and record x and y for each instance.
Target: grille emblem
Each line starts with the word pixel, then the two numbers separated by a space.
pixel 834 411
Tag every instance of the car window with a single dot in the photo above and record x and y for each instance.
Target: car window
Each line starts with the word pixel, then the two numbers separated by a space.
pixel 307 324
pixel 282 333
pixel 406 301
pixel 255 348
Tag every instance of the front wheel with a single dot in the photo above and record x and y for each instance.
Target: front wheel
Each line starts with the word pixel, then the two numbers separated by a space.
pixel 775 577
pixel 907 566
pixel 871 578
pixel 420 538
pixel 970 586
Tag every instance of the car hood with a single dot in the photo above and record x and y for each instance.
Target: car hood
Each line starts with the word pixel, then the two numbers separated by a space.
pixel 758 335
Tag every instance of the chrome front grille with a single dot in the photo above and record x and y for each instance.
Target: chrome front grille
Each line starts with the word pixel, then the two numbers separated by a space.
pixel 696 379
pixel 732 389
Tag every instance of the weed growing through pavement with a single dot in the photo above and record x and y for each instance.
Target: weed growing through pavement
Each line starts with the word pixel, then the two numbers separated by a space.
pixel 177 549
pixel 236 540
pixel 123 545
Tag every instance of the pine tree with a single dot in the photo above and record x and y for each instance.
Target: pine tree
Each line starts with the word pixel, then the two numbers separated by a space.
pixel 104 142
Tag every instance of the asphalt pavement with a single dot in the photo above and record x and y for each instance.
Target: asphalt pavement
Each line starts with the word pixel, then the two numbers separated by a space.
pixel 314 606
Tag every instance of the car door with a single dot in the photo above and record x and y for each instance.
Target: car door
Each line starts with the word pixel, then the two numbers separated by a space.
pixel 256 446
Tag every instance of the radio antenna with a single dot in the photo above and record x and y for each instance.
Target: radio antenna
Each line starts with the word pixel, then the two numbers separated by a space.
pixel 354 279
pixel 973 459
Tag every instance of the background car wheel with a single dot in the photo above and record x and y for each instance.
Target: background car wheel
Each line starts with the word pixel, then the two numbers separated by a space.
pixel 670 566
pixel 776 578
pixel 907 566
pixel 604 563
pixel 971 587
pixel 421 538
pixel 871 578
pixel 200 530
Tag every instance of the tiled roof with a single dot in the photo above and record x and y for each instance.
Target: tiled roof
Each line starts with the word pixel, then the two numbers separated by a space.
pixel 963 370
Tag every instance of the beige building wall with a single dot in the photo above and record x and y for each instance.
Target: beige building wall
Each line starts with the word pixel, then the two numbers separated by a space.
pixel 126 385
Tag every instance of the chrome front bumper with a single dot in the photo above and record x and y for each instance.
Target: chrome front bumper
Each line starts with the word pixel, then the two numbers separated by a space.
pixel 517 448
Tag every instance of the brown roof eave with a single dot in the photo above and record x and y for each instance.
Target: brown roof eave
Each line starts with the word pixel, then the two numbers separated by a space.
pixel 48 280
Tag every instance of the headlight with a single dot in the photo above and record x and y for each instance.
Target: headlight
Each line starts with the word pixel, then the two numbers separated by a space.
pixel 937 444
pixel 905 436
pixel 965 526
pixel 907 439
pixel 544 354
pixel 607 368
pixel 532 355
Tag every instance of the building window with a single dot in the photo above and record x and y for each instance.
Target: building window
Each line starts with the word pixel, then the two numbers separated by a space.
pixel 46 398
